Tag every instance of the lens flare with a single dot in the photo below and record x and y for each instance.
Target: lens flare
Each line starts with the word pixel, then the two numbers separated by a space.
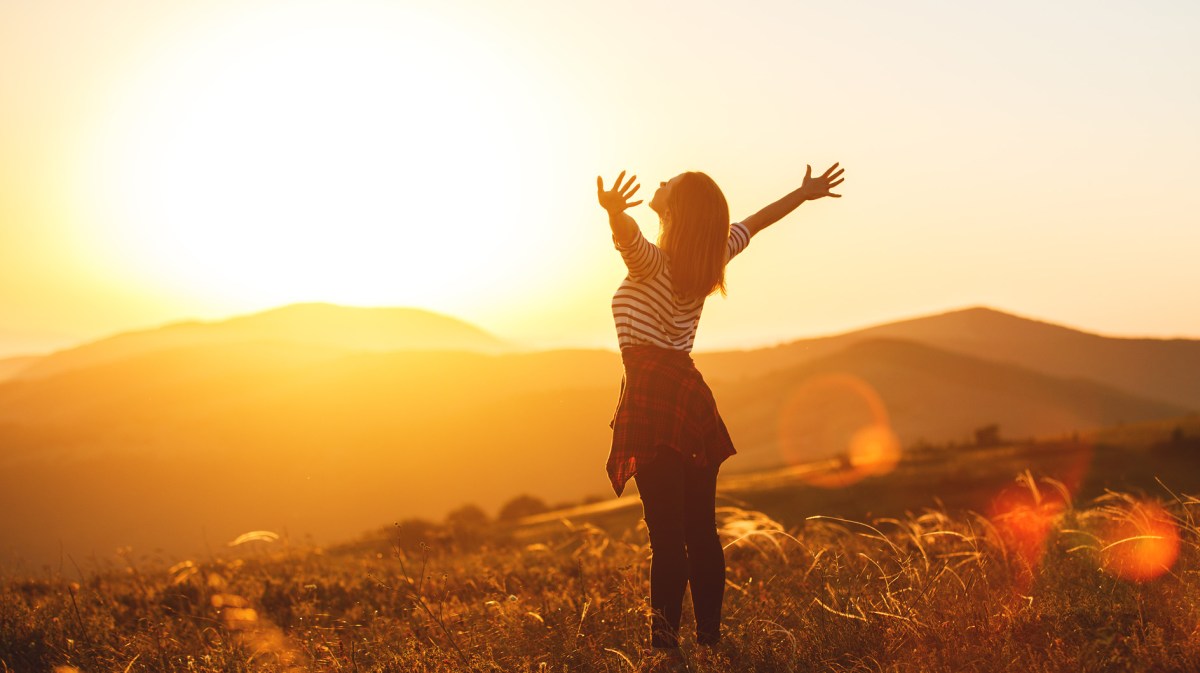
pixel 1024 515
pixel 838 420
pixel 1141 542
pixel 874 450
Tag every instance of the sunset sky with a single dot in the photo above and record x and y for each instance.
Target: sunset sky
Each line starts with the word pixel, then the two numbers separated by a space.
pixel 162 161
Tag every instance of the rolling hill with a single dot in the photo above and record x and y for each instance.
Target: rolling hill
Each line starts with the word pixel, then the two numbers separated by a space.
pixel 170 446
pixel 1165 369
pixel 322 325
pixel 929 395
pixel 10 367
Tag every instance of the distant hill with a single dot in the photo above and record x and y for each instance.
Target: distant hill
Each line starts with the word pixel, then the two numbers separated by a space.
pixel 165 447
pixel 9 367
pixel 321 325
pixel 157 449
pixel 1165 369
pixel 929 395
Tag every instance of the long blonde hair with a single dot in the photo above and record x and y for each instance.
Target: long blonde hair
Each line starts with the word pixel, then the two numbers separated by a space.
pixel 695 235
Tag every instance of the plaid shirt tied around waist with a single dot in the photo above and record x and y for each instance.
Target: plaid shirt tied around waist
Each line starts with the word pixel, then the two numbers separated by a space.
pixel 664 403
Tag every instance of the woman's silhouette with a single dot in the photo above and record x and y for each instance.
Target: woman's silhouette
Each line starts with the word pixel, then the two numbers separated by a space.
pixel 667 433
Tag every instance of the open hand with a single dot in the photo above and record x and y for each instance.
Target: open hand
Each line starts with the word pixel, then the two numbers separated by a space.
pixel 815 188
pixel 616 200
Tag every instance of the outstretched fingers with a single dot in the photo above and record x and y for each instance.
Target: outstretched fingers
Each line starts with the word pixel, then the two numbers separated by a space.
pixel 631 180
pixel 832 177
pixel 617 197
pixel 629 195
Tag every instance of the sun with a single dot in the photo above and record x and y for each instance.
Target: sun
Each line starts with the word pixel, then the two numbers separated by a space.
pixel 360 155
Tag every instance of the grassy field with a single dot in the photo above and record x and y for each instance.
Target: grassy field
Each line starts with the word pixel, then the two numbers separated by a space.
pixel 1045 575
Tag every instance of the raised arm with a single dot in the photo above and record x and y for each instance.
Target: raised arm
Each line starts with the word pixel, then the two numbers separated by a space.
pixel 812 188
pixel 616 201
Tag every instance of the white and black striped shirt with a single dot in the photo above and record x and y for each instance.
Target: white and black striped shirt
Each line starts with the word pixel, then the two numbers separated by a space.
pixel 646 309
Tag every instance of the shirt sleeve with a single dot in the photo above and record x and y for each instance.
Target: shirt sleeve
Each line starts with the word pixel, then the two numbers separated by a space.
pixel 642 258
pixel 739 238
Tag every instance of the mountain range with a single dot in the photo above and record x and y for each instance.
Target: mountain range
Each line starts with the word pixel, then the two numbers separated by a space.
pixel 312 324
pixel 328 420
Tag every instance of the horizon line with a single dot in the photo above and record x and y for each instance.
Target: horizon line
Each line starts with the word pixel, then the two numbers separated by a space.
pixel 576 344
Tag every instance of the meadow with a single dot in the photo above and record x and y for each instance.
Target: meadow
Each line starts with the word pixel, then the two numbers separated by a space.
pixel 1040 580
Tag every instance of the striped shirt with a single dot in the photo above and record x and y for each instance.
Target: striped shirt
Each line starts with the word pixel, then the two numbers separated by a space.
pixel 645 308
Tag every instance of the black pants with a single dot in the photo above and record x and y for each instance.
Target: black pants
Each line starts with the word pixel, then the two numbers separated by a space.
pixel 679 503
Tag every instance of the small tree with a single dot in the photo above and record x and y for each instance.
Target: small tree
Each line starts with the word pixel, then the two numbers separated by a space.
pixel 988 435
pixel 468 525
pixel 468 516
pixel 522 506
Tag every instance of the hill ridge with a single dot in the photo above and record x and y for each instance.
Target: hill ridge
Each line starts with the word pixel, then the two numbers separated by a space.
pixel 351 328
pixel 317 439
pixel 1167 369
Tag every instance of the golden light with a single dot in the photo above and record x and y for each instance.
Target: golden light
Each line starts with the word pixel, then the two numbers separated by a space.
pixel 365 154
pixel 874 449
pixel 839 419
pixel 1141 542
pixel 1024 515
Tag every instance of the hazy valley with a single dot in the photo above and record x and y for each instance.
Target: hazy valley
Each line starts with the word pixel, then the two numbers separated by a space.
pixel 323 420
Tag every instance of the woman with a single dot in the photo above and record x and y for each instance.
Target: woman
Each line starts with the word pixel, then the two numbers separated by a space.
pixel 667 433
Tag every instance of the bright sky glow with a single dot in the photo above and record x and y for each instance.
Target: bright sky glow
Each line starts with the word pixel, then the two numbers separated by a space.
pixel 162 161
pixel 360 156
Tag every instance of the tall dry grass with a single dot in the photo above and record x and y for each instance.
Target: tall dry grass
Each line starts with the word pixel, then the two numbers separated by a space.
pixel 1039 584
